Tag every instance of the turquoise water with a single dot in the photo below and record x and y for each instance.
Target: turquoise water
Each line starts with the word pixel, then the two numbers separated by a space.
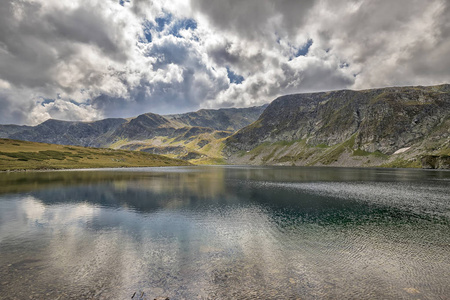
pixel 225 233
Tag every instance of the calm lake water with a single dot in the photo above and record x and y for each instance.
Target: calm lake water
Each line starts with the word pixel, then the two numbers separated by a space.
pixel 225 233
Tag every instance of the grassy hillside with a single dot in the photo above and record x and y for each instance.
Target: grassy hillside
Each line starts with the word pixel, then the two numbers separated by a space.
pixel 21 155
pixel 201 148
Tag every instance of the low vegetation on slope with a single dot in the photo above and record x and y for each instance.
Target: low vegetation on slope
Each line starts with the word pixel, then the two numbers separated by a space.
pixel 21 155
pixel 198 148
pixel 389 127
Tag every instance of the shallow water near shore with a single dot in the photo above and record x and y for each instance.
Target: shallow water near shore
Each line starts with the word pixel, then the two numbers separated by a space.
pixel 225 232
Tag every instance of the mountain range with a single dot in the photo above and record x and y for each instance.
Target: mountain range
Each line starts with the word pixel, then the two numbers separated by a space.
pixel 196 136
pixel 390 127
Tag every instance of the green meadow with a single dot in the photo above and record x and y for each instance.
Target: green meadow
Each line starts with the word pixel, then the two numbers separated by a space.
pixel 21 155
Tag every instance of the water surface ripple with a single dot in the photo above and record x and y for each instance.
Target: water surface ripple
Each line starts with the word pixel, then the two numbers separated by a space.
pixel 225 233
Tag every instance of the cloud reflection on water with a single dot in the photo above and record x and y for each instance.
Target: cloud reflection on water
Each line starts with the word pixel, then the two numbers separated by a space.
pixel 224 232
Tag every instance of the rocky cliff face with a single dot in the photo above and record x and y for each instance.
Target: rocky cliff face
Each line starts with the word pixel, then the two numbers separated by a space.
pixel 143 127
pixel 381 121
pixel 230 119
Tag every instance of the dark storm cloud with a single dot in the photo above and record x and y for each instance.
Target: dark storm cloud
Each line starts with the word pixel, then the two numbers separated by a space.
pixel 255 19
pixel 315 78
pixel 84 25
pixel 223 55
pixel 103 58
pixel 430 58
pixel 10 113
pixel 163 97
pixel 390 42
pixel 24 57
pixel 35 41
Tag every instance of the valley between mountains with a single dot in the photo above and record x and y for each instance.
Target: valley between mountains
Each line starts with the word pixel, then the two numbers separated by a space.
pixel 387 127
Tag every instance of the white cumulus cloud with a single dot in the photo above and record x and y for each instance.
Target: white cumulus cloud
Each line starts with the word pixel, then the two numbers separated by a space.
pixel 85 60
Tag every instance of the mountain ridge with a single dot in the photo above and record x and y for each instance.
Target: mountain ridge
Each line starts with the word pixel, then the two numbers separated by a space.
pixel 189 132
pixel 319 128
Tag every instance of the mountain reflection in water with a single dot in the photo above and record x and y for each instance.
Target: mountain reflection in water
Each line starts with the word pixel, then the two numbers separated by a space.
pixel 225 233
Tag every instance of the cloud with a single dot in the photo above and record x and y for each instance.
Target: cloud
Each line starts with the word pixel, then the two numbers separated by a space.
pixel 255 19
pixel 96 59
pixel 386 43
pixel 61 109
pixel 11 111
pixel 62 50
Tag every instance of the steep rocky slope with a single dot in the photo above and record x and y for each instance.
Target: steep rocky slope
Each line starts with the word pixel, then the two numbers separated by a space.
pixel 8 130
pixel 87 134
pixel 390 126
pixel 230 119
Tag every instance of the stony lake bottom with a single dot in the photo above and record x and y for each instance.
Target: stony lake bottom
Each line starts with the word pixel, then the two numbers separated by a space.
pixel 225 232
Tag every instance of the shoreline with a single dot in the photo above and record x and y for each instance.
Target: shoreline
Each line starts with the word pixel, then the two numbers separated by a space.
pixel 226 165
pixel 87 168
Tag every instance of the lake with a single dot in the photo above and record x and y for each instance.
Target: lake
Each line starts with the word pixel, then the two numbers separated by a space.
pixel 225 233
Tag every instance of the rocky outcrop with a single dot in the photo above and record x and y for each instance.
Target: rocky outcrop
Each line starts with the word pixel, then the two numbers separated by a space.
pixel 230 119
pixel 373 121
pixel 176 150
pixel 191 155
pixel 436 162
pixel 143 127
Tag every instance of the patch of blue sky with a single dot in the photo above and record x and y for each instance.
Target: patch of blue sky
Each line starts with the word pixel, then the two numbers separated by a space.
pixel 166 24
pixel 182 24
pixel 234 78
pixel 74 102
pixel 45 101
pixel 146 28
pixel 174 26
pixel 303 51
pixel 162 22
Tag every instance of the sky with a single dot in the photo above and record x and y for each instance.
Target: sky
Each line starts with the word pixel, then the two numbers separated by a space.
pixel 92 59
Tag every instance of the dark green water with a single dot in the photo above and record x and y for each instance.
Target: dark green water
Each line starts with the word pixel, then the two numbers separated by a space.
pixel 225 233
